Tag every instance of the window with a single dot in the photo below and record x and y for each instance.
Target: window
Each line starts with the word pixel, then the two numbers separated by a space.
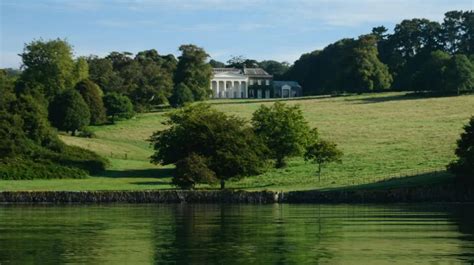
pixel 251 82
pixel 259 82
pixel 267 82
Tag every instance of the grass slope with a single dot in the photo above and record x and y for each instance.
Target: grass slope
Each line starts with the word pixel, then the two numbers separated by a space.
pixel 383 136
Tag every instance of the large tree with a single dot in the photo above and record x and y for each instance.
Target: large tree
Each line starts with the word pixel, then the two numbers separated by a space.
pixel 194 71
pixel 224 143
pixel 283 129
pixel 49 65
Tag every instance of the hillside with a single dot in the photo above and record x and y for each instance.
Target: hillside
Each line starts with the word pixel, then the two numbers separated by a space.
pixel 382 135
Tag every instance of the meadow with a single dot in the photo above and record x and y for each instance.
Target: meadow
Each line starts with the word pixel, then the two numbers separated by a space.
pixel 396 136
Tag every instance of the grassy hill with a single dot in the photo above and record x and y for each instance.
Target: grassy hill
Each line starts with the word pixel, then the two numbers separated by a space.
pixel 383 136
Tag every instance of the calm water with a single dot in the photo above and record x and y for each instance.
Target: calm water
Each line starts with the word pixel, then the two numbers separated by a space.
pixel 237 234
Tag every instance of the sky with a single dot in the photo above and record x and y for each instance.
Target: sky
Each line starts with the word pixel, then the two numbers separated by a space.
pixel 279 30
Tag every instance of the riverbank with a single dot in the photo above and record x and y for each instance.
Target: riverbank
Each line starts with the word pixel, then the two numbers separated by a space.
pixel 448 193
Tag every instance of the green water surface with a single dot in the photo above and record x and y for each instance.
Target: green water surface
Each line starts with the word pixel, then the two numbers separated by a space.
pixel 237 234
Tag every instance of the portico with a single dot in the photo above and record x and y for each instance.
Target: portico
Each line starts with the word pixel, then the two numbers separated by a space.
pixel 229 85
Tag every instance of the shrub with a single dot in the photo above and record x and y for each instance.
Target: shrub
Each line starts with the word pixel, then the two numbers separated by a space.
pixel 192 170
pixel 17 169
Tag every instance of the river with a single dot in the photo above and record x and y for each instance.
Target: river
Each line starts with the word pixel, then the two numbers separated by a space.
pixel 237 234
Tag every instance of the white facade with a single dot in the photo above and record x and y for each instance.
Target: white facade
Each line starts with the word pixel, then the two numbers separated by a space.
pixel 229 85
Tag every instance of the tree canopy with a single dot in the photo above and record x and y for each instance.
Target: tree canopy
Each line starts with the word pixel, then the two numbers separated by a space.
pixel 92 95
pixel 194 71
pixel 48 66
pixel 69 112
pixel 283 129
pixel 199 133
pixel 118 106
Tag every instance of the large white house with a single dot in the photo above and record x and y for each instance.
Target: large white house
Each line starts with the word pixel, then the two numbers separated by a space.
pixel 250 83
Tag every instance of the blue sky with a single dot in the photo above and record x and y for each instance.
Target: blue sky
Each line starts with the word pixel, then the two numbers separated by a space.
pixel 259 29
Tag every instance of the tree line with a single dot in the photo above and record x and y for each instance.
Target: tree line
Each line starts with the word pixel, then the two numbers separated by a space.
pixel 420 55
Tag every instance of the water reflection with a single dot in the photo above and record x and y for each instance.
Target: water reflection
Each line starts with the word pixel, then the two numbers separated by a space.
pixel 237 234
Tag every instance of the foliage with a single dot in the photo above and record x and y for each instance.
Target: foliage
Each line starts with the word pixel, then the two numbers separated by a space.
pixel 412 56
pixel 30 149
pixel 216 64
pixel 192 170
pixel 92 95
pixel 241 62
pixel 226 142
pixel 69 112
pixel 431 74
pixel 147 78
pixel 463 167
pixel 49 65
pixel 283 129
pixel 16 169
pixel 347 65
pixel 459 74
pixel 194 72
pixel 181 95
pixel 322 152
pixel 118 106
pixel 275 68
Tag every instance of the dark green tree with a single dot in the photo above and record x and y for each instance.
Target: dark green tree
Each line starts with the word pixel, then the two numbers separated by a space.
pixel 463 167
pixel 431 73
pixel 459 74
pixel 226 143
pixel 69 112
pixel 118 106
pixel 368 72
pixel 194 71
pixel 101 72
pixel 92 95
pixel 283 129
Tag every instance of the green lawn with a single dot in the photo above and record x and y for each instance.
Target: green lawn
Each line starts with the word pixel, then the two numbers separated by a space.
pixel 382 135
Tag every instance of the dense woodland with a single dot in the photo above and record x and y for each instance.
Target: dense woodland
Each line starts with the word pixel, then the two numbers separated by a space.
pixel 56 91
pixel 420 55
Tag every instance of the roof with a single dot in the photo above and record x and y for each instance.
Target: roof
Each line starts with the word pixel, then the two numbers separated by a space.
pixel 225 70
pixel 256 72
pixel 282 83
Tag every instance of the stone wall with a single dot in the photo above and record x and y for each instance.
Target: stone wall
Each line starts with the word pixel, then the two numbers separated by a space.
pixel 418 194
